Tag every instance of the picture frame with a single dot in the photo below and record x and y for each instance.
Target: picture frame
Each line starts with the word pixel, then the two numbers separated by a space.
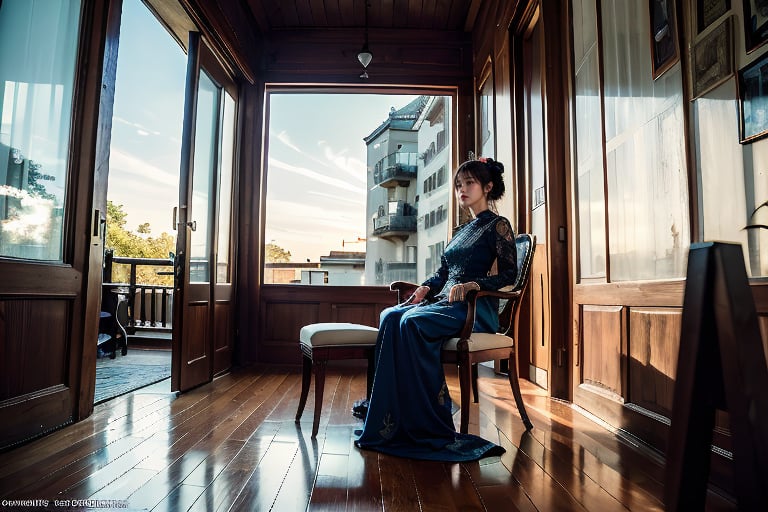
pixel 712 59
pixel 753 101
pixel 663 36
pixel 709 11
pixel 755 24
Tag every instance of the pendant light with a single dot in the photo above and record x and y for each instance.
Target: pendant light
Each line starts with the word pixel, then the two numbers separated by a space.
pixel 365 56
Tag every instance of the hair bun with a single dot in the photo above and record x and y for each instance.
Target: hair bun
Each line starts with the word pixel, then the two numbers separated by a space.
pixel 495 166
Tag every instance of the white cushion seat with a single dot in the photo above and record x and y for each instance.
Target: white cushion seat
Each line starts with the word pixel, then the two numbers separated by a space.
pixel 337 334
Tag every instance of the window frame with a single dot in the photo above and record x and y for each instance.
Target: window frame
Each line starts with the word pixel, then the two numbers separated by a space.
pixel 277 88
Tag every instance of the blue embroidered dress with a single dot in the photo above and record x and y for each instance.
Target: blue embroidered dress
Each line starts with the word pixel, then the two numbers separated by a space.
pixel 409 413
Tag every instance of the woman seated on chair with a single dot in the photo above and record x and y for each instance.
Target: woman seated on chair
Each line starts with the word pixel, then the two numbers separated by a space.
pixel 409 410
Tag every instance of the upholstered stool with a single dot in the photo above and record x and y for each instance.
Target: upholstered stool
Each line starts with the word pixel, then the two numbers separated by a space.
pixel 325 342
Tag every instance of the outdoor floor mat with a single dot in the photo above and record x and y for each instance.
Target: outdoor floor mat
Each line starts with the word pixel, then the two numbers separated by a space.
pixel 113 380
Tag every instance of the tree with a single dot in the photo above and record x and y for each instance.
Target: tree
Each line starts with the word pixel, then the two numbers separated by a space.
pixel 276 254
pixel 129 244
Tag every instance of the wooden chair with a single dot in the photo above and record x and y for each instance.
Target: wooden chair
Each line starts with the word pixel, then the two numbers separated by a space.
pixel 470 348
pixel 323 342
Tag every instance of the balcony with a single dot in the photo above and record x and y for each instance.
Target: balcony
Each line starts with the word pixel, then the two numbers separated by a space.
pixel 396 169
pixel 394 226
pixel 397 271
pixel 397 220
pixel 150 305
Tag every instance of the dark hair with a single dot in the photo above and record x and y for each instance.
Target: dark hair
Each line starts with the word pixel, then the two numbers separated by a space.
pixel 484 170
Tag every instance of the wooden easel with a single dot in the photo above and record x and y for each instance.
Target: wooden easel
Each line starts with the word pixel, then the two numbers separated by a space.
pixel 721 365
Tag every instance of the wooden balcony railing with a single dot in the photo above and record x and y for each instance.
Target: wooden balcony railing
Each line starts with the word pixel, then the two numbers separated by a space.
pixel 150 306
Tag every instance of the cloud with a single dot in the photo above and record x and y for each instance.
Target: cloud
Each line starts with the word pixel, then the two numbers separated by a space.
pixel 356 200
pixel 285 139
pixel 141 129
pixel 331 159
pixel 349 165
pixel 125 165
pixel 316 176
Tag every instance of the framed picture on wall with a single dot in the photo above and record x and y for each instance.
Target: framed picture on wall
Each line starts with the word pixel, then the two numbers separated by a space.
pixel 753 100
pixel 755 24
pixel 664 47
pixel 712 59
pixel 708 12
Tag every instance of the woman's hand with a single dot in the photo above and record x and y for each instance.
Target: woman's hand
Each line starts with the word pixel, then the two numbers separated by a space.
pixel 419 294
pixel 459 291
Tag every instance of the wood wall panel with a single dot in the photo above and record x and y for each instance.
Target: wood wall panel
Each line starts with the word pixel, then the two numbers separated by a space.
pixel 34 344
pixel 222 336
pixel 35 414
pixel 197 360
pixel 602 341
pixel 364 314
pixel 651 293
pixel 285 309
pixel 538 289
pixel 35 388
pixel 654 340
pixel 284 321
pixel 196 327
pixel 221 331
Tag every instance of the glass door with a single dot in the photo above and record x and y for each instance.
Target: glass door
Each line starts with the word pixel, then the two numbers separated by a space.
pixel 203 291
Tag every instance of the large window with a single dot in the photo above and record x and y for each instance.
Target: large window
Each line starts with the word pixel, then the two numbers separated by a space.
pixel 38 47
pixel 645 175
pixel 346 174
pixel 589 153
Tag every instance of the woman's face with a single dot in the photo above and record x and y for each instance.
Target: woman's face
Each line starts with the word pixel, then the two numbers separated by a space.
pixel 470 193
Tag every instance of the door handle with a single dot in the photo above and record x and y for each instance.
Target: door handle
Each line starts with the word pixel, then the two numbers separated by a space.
pixel 192 225
pixel 178 270
pixel 175 226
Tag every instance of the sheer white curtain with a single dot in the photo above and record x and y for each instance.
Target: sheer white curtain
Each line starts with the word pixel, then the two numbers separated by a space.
pixel 647 175
pixel 38 48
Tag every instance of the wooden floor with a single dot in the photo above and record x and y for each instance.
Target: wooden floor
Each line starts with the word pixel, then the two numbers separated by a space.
pixel 233 445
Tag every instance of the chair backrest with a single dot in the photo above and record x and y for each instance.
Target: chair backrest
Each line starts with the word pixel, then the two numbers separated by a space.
pixel 508 309
pixel 526 245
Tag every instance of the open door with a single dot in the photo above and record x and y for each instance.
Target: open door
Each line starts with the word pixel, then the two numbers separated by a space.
pixel 543 193
pixel 203 293
pixel 536 171
pixel 54 126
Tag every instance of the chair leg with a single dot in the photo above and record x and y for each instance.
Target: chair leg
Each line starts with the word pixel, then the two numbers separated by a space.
pixel 474 383
pixel 464 376
pixel 319 386
pixel 515 384
pixel 306 376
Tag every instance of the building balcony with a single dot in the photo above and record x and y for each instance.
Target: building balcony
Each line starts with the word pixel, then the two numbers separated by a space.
pixel 396 271
pixel 394 226
pixel 396 169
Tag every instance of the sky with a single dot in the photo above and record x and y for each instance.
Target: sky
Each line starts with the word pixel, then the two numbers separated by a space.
pixel 317 157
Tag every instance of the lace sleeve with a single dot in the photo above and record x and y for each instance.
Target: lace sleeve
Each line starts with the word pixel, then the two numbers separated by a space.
pixel 506 258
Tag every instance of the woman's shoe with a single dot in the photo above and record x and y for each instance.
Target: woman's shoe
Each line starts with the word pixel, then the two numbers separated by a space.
pixel 360 408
